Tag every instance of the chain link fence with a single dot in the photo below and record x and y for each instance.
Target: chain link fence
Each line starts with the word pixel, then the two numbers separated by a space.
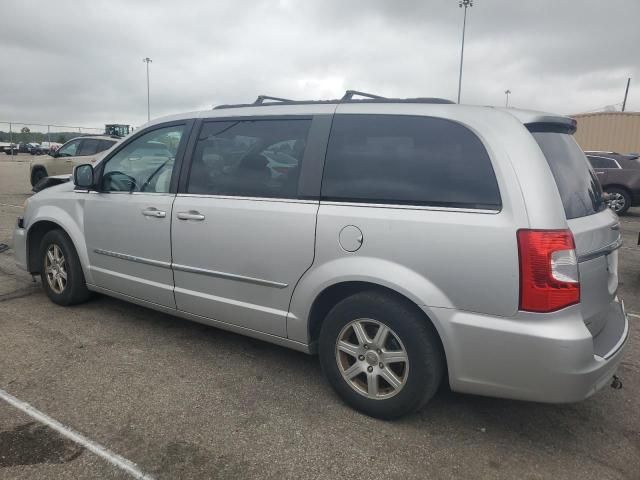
pixel 24 133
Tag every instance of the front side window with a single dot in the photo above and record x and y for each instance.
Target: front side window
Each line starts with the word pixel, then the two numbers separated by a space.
pixel 253 158
pixel 145 164
pixel 402 159
pixel 69 149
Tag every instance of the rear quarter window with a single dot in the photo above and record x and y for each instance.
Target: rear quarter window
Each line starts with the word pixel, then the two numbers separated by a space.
pixel 401 159
pixel 578 186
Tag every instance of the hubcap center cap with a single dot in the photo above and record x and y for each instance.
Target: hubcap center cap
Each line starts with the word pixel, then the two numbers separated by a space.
pixel 371 358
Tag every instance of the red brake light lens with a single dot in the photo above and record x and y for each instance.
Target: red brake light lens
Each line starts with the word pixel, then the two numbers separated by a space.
pixel 549 278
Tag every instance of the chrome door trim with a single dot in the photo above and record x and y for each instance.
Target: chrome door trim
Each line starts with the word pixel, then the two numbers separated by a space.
pixel 185 268
pixel 229 276
pixel 131 258
pixel 257 199
pixel 602 251
pixel 409 207
pixel 116 192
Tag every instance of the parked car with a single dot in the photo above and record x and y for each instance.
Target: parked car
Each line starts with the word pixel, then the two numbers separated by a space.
pixel 75 151
pixel 619 176
pixel 14 149
pixel 46 148
pixel 29 147
pixel 10 148
pixel 415 241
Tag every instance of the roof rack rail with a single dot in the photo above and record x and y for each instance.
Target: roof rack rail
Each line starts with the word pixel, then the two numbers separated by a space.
pixel 346 98
pixel 348 95
pixel 261 98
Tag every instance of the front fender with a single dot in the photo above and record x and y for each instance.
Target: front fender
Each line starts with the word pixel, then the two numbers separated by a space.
pixel 359 269
pixel 71 223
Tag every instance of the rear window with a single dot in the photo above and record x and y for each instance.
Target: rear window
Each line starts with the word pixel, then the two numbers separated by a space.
pixel 401 159
pixel 577 184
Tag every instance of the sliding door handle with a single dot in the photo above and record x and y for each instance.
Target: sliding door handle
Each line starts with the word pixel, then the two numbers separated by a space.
pixel 190 215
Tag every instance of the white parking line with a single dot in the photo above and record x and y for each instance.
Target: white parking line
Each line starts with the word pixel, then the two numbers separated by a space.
pixel 9 205
pixel 112 458
pixel 634 315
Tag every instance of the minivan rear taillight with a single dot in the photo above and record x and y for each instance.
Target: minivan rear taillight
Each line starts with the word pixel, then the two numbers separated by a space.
pixel 549 277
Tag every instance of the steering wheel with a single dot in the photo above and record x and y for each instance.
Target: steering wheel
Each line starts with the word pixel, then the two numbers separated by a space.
pixel 121 181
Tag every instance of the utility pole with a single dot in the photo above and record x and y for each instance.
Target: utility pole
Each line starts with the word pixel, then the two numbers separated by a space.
pixel 507 92
pixel 147 60
pixel 466 4
pixel 626 93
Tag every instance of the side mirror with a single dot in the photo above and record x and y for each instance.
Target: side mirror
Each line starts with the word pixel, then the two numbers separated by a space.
pixel 83 176
pixel 53 153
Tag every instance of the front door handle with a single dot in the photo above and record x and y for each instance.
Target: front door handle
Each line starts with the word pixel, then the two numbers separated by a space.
pixel 154 212
pixel 190 215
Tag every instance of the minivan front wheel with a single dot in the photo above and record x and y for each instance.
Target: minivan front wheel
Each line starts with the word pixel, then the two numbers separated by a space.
pixel 60 270
pixel 619 200
pixel 380 354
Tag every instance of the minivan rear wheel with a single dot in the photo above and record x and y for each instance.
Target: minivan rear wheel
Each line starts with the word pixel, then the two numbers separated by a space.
pixel 619 200
pixel 380 354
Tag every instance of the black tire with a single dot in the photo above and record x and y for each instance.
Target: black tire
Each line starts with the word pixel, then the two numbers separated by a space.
pixel 621 201
pixel 37 174
pixel 418 337
pixel 75 289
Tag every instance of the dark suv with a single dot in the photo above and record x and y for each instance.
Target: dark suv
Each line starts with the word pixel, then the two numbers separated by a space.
pixel 619 176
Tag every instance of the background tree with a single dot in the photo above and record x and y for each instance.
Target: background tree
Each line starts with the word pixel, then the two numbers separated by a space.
pixel 25 134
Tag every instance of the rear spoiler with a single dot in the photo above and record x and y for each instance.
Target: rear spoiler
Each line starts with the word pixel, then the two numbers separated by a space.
pixel 554 125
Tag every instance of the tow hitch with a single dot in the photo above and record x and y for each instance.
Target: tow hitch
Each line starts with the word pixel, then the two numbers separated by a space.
pixel 616 383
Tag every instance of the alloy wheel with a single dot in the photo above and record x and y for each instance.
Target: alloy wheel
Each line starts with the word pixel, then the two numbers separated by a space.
pixel 616 202
pixel 55 268
pixel 372 359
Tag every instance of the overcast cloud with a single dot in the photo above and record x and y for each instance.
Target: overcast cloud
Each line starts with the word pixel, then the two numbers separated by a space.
pixel 80 62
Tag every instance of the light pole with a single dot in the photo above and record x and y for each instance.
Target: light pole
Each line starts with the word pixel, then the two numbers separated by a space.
pixel 507 92
pixel 147 60
pixel 466 4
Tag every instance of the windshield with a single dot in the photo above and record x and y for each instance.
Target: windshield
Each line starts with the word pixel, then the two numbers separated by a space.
pixel 577 184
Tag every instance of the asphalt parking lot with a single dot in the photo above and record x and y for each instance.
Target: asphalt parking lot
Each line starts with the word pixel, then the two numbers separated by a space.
pixel 183 400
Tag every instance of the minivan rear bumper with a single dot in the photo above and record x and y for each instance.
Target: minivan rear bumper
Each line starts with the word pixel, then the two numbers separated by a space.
pixel 550 358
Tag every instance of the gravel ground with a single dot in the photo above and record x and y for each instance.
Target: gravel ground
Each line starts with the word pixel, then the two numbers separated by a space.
pixel 183 400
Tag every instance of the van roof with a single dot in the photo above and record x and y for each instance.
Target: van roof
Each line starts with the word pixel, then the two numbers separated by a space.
pixel 268 105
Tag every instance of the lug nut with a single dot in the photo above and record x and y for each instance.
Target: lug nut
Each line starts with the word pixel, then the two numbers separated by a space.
pixel 366 347
pixel 379 351
pixel 360 357
pixel 369 369
pixel 381 365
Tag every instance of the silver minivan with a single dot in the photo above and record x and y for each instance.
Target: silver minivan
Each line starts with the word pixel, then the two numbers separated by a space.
pixel 407 242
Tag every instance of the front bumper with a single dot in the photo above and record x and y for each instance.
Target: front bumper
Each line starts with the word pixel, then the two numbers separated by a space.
pixel 20 245
pixel 549 358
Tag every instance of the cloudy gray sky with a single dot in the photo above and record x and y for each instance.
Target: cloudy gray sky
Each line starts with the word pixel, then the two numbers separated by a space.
pixel 80 62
